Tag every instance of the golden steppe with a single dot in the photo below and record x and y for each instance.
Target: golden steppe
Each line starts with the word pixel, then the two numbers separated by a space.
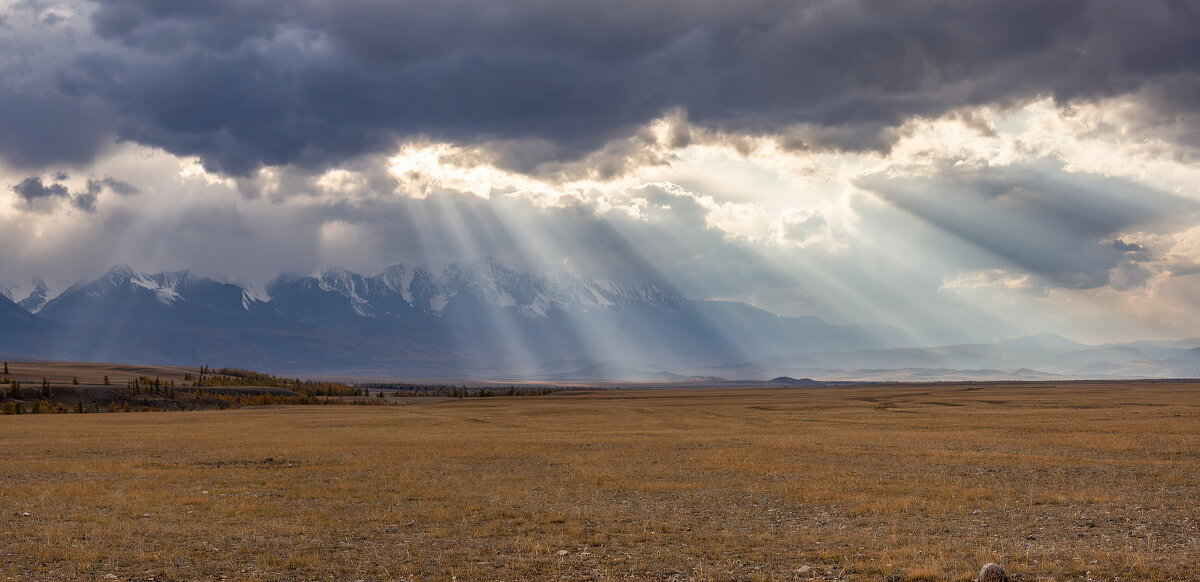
pixel 1064 481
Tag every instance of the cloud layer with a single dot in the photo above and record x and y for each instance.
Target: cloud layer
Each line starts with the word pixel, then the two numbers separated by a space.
pixel 242 85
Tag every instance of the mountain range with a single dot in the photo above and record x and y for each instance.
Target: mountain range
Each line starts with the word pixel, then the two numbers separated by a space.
pixel 482 319
pixel 470 319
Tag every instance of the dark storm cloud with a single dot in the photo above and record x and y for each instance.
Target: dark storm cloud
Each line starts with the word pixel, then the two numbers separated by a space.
pixel 42 197
pixel 38 196
pixel 40 129
pixel 32 189
pixel 1063 227
pixel 243 84
pixel 85 202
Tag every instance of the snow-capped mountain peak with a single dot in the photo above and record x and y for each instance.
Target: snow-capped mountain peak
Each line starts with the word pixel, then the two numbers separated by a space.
pixel 400 277
pixel 124 293
pixel 37 298
pixel 344 282
pixel 402 288
pixel 32 295
pixel 118 274
pixel 165 286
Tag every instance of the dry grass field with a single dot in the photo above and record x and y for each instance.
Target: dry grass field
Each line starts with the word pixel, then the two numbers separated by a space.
pixel 1074 481
pixel 89 374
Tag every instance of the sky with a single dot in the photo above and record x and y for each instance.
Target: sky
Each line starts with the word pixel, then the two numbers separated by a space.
pixel 961 170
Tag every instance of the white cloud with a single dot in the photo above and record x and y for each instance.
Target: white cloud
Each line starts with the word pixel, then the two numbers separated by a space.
pixel 987 278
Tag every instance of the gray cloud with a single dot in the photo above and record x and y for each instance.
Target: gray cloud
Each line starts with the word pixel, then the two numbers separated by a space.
pixel 280 82
pixel 85 202
pixel 39 196
pixel 41 129
pixel 97 185
pixel 1062 227
pixel 32 189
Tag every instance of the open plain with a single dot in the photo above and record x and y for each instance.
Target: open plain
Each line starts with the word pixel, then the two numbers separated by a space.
pixel 1064 481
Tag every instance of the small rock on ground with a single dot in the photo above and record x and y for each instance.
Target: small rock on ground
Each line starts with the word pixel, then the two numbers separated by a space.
pixel 992 573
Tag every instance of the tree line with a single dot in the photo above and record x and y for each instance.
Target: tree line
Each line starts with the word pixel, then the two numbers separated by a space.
pixel 400 389
pixel 239 377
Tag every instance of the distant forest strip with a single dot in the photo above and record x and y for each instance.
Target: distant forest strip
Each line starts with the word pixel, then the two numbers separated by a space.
pixel 208 377
pixel 56 387
pixel 400 389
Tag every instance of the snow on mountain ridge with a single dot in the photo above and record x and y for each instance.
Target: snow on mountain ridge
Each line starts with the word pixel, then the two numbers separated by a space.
pixel 403 287
pixel 399 278
pixel 31 295
pixel 36 299
pixel 344 282
pixel 165 285
pixel 485 280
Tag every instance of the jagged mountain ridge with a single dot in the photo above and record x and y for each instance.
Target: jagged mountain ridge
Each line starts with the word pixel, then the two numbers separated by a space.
pixel 392 291
pixel 478 318
pixel 31 296
pixel 404 287
pixel 37 298
pixel 124 297
pixel 482 319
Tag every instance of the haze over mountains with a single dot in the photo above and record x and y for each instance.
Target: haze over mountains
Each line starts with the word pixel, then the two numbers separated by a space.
pixel 485 320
